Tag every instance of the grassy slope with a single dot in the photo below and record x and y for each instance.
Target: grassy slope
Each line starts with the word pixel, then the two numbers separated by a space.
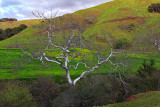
pixel 120 9
pixel 11 24
pixel 108 17
pixel 142 100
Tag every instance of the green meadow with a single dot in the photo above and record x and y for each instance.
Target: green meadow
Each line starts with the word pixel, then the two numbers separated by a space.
pixel 11 58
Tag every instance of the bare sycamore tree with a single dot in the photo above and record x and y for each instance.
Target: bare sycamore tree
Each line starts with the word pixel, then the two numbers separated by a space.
pixel 62 45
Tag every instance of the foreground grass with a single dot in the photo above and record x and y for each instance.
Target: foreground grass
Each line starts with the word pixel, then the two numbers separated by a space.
pixel 142 100
pixel 10 58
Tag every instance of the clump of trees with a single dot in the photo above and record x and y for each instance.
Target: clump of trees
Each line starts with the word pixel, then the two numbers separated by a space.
pixel 7 19
pixel 9 32
pixel 155 7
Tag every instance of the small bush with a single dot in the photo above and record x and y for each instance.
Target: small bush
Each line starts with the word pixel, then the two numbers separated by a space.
pixel 44 91
pixel 123 43
pixel 155 7
pixel 13 95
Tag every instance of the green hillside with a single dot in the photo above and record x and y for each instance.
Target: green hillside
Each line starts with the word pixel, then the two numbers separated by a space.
pixel 113 17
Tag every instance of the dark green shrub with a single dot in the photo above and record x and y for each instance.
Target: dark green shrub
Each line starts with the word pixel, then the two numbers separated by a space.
pixel 155 7
pixel 97 90
pixel 12 95
pixel 22 27
pixel 123 43
pixel 44 91
pixel 146 70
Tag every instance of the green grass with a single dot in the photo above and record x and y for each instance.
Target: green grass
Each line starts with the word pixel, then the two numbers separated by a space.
pixel 31 70
pixel 142 100
pixel 9 59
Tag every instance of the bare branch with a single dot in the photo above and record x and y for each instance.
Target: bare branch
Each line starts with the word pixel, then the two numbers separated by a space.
pixel 64 44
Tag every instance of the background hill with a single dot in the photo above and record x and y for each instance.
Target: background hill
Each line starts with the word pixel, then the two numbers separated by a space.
pixel 121 18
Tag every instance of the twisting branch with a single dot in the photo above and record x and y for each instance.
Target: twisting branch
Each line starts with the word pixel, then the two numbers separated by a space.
pixel 98 65
pixel 64 49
